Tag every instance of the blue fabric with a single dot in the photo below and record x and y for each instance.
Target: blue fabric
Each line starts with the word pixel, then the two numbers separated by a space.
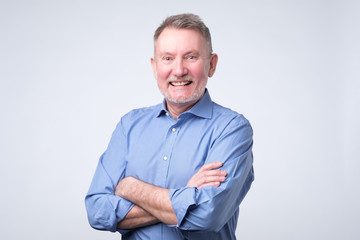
pixel 150 145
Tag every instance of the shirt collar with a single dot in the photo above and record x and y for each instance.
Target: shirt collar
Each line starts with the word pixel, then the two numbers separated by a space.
pixel 203 108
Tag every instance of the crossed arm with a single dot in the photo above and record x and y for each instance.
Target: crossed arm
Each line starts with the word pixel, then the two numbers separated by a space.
pixel 152 203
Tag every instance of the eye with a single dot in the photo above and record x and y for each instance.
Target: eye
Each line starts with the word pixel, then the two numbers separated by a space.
pixel 166 59
pixel 192 58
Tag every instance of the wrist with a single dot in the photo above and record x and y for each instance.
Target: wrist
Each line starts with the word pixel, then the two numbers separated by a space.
pixel 125 186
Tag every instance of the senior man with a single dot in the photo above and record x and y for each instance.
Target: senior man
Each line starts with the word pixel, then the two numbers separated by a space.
pixel 180 169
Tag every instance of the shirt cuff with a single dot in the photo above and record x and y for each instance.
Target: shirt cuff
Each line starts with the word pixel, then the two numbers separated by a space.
pixel 112 210
pixel 182 199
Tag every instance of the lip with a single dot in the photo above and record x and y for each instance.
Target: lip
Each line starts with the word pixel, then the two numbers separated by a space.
pixel 180 83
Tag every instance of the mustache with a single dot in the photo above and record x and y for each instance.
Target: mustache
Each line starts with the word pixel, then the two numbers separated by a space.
pixel 175 78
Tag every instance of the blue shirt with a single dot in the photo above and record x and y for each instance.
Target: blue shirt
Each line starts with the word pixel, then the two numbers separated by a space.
pixel 150 145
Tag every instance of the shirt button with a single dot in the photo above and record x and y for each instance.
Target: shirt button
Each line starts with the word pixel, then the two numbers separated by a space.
pixel 165 158
pixel 167 114
pixel 174 129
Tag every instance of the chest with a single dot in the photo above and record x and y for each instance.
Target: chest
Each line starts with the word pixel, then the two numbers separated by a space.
pixel 168 155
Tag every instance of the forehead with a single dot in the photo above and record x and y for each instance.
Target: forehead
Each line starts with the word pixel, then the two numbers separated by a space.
pixel 173 39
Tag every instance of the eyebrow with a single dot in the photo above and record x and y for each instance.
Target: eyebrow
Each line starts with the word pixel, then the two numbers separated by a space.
pixel 195 52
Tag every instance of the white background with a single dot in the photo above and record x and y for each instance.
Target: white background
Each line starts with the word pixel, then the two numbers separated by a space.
pixel 70 69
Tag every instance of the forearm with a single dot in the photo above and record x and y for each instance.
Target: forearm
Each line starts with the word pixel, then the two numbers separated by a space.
pixel 152 199
pixel 137 217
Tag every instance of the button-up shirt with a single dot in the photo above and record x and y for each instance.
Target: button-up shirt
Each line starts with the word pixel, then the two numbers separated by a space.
pixel 150 145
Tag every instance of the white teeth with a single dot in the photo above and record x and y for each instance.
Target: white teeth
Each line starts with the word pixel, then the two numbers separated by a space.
pixel 179 83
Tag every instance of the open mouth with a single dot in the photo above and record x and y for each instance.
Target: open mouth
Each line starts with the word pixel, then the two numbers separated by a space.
pixel 180 83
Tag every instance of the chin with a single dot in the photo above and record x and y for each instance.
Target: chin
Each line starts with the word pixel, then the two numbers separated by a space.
pixel 180 100
pixel 184 99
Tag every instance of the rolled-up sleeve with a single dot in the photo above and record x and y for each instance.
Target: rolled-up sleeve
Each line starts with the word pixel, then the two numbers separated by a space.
pixel 104 208
pixel 210 208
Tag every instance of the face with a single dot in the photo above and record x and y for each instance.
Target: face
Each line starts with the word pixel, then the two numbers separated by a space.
pixel 182 65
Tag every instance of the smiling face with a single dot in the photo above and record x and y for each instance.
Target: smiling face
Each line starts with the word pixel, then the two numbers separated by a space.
pixel 182 65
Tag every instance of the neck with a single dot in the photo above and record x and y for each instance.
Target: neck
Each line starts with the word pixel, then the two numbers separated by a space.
pixel 175 109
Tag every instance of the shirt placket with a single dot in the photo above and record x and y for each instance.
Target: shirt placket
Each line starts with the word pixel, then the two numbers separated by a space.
pixel 171 137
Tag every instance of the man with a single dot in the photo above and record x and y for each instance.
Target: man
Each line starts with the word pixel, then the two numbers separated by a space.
pixel 180 169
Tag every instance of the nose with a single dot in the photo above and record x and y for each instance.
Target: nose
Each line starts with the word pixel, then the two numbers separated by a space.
pixel 180 68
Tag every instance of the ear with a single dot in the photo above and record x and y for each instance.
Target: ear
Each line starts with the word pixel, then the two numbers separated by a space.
pixel 213 63
pixel 154 68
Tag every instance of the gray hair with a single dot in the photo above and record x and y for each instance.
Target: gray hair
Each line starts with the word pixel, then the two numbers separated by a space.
pixel 185 21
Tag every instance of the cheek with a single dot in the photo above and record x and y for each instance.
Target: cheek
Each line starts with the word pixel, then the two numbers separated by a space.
pixel 199 73
pixel 162 74
pixel 162 79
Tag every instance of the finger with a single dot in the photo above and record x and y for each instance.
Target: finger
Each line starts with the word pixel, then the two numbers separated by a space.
pixel 208 180
pixel 214 179
pixel 212 184
pixel 214 173
pixel 210 166
pixel 203 178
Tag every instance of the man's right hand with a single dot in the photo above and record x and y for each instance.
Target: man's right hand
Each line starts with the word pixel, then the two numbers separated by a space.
pixel 208 175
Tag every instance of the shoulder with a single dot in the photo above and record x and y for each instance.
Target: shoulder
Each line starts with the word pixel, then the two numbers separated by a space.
pixel 140 115
pixel 228 122
pixel 228 115
pixel 140 112
pixel 231 125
